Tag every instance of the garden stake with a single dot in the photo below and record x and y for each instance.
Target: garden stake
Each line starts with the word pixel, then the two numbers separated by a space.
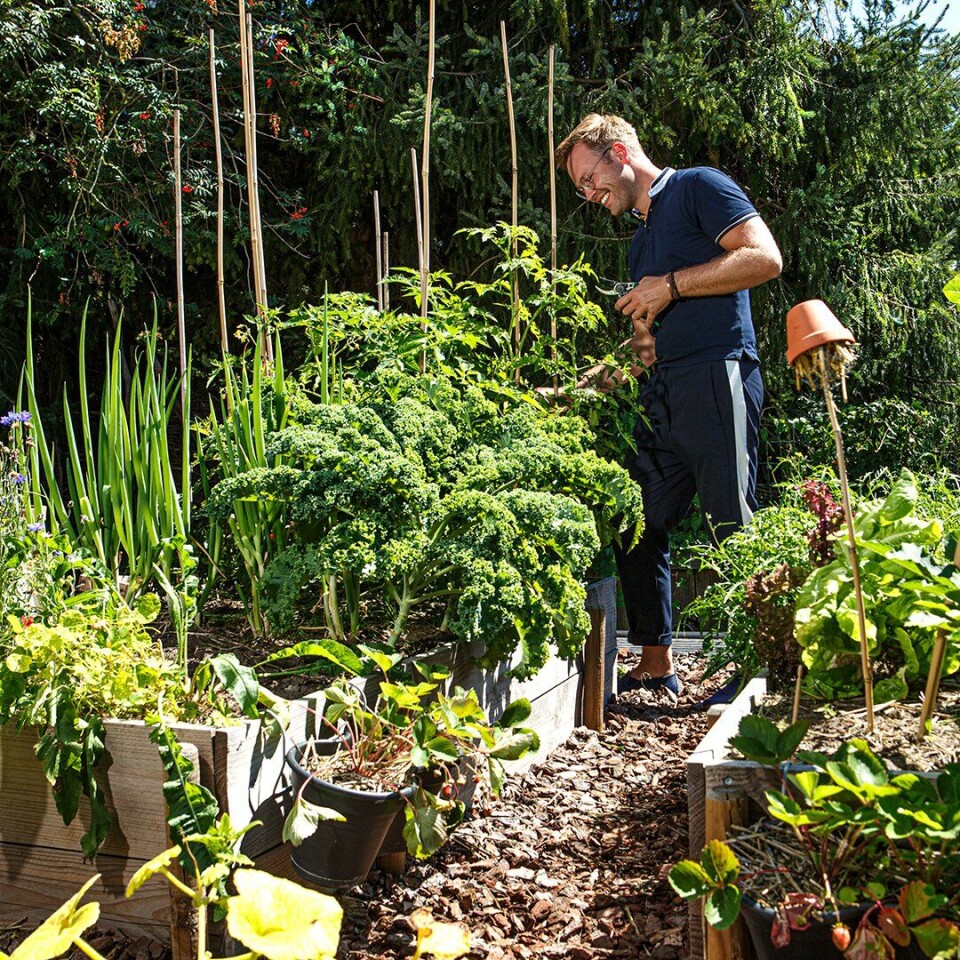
pixel 386 270
pixel 818 345
pixel 178 215
pixel 377 243
pixel 425 174
pixel 221 301
pixel 514 217
pixel 933 682
pixel 553 213
pixel 419 223
pixel 796 695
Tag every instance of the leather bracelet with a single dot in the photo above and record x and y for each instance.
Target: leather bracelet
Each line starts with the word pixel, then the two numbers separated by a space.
pixel 672 284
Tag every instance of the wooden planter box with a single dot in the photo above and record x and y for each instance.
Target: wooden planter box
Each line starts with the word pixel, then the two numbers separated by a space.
pixel 718 790
pixel 40 861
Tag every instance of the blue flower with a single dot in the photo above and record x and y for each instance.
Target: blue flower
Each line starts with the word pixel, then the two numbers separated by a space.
pixel 15 416
pixel 35 527
pixel 17 479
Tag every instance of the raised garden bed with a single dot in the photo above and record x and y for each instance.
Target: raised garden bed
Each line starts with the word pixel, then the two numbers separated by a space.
pixel 41 865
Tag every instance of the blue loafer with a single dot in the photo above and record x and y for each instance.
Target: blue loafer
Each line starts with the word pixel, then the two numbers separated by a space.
pixel 671 682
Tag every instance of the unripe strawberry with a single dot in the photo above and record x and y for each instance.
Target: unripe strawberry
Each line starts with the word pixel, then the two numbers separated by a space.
pixel 841 936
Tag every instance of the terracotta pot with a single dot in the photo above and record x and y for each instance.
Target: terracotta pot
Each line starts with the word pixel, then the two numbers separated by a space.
pixel 812 324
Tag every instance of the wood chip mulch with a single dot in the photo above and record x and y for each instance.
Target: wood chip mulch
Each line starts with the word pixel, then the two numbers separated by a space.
pixel 570 862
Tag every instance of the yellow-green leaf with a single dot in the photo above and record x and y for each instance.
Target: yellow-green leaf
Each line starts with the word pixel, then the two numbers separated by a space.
pixel 443 941
pixel 58 932
pixel 151 868
pixel 282 920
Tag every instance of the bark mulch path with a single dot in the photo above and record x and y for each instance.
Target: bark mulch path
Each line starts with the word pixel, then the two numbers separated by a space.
pixel 570 862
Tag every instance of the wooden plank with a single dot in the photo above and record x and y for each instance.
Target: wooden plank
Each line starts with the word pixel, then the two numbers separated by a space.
pixel 35 881
pixel 724 807
pixel 714 746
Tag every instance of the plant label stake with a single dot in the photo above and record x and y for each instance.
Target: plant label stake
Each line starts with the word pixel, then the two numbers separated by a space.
pixel 937 657
pixel 820 348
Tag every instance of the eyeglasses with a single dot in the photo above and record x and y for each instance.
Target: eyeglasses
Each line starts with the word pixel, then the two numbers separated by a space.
pixel 586 183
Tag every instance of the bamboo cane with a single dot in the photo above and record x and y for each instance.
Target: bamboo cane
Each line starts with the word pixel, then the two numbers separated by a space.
pixel 379 249
pixel 261 272
pixel 221 299
pixel 386 270
pixel 851 537
pixel 419 225
pixel 425 170
pixel 937 657
pixel 795 715
pixel 515 319
pixel 553 215
pixel 178 215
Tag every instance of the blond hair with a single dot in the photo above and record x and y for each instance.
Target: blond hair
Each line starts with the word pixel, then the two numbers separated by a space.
pixel 597 132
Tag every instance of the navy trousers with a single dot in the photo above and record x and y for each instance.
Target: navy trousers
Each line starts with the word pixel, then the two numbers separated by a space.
pixel 700 436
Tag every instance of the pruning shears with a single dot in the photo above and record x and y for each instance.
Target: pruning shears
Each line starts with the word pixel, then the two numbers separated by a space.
pixel 615 288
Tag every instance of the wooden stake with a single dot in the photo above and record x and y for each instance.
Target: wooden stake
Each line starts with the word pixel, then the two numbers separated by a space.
pixel 933 681
pixel 865 667
pixel 553 212
pixel 425 169
pixel 379 249
pixel 386 270
pixel 419 224
pixel 178 214
pixel 221 300
pixel 593 672
pixel 515 319
pixel 795 716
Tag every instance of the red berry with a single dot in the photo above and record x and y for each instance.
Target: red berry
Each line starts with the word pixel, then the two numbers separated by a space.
pixel 446 791
pixel 841 936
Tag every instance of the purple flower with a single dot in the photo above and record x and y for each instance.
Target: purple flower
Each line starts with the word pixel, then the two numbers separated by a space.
pixel 15 416
pixel 17 479
pixel 35 527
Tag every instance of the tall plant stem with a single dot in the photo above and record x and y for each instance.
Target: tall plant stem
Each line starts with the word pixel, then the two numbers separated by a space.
pixel 425 169
pixel 178 213
pixel 514 215
pixel 553 214
pixel 378 243
pixel 386 270
pixel 851 537
pixel 419 224
pixel 218 152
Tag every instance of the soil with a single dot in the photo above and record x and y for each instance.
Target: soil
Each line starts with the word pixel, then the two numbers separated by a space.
pixel 570 862
pixel 894 735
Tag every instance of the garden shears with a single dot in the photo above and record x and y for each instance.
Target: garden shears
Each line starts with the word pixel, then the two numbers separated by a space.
pixel 615 288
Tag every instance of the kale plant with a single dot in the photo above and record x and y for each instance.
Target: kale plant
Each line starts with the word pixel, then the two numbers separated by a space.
pixel 486 509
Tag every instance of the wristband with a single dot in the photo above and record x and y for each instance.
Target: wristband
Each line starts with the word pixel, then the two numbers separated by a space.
pixel 672 284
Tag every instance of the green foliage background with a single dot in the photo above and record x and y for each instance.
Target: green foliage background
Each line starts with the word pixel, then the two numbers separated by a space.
pixel 844 133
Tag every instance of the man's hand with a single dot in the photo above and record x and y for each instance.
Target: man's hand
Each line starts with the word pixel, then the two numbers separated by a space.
pixel 645 302
pixel 644 345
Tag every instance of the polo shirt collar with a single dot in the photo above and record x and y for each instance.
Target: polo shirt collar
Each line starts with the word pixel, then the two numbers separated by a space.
pixel 662 177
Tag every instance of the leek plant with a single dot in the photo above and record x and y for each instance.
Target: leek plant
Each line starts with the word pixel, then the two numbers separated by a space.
pixel 128 504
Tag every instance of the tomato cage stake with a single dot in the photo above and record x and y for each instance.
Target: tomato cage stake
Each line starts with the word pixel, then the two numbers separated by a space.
pixel 820 348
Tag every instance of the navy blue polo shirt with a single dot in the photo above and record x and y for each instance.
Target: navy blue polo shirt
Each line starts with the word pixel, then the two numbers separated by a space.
pixel 690 210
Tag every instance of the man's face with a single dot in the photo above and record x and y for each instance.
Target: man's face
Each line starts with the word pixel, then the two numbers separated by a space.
pixel 598 176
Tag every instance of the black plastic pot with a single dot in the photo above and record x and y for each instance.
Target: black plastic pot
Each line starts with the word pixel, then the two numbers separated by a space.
pixel 341 853
pixel 815 942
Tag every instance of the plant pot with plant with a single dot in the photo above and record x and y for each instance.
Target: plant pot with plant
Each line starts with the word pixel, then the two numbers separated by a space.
pixel 849 853
pixel 405 755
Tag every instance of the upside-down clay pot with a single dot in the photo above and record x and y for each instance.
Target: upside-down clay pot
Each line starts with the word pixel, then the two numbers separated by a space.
pixel 812 324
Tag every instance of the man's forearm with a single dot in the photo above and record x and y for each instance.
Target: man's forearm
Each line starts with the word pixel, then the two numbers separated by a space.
pixel 735 270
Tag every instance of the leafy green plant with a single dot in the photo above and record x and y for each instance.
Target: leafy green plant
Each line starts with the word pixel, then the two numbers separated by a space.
pixel 433 498
pixel 859 831
pixel 97 660
pixel 417 734
pixel 910 592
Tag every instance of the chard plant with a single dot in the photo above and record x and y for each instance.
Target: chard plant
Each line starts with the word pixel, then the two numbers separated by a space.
pixel 910 592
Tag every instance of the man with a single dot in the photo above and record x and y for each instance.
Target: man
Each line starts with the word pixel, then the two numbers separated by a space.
pixel 700 247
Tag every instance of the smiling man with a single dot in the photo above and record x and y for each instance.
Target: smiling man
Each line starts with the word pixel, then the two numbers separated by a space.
pixel 700 247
